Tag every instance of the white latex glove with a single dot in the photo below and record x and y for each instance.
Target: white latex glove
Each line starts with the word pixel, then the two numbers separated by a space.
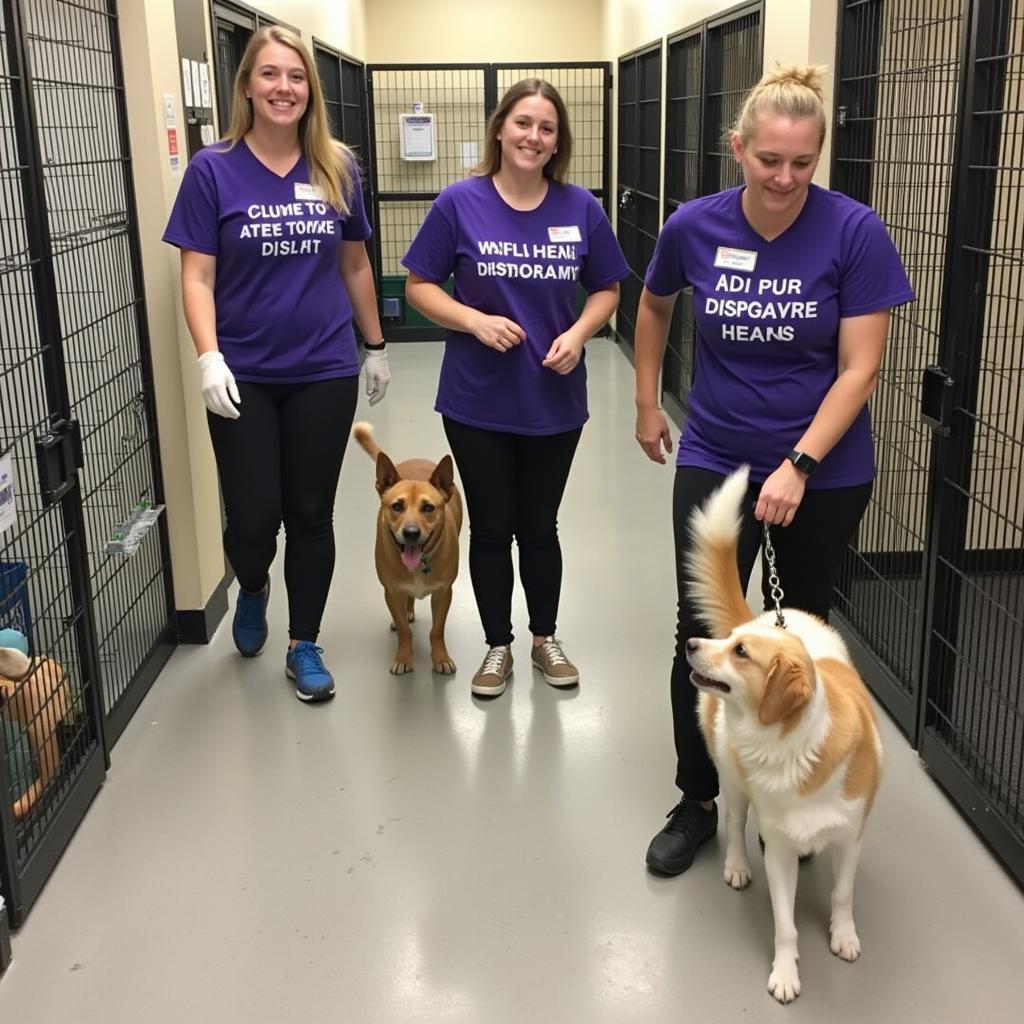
pixel 376 374
pixel 218 384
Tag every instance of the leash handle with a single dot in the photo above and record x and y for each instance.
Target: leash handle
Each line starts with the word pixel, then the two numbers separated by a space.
pixel 773 577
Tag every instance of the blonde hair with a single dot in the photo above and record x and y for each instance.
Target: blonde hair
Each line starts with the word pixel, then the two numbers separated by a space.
pixel 788 91
pixel 558 165
pixel 331 163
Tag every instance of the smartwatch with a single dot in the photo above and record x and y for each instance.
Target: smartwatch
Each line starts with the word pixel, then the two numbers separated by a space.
pixel 807 464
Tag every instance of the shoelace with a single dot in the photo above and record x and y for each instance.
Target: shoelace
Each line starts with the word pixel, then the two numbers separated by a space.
pixel 495 661
pixel 553 652
pixel 250 610
pixel 682 817
pixel 307 656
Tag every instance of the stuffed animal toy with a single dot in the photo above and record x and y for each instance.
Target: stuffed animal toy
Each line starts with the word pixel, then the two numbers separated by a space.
pixel 33 695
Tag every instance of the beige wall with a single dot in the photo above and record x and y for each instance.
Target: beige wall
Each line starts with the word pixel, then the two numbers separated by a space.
pixel 190 482
pixel 339 23
pixel 414 31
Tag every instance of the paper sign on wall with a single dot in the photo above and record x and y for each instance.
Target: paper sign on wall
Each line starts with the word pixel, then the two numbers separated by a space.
pixel 204 84
pixel 186 81
pixel 8 498
pixel 196 94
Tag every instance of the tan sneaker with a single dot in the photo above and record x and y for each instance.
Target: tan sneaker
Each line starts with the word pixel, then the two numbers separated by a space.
pixel 494 673
pixel 557 668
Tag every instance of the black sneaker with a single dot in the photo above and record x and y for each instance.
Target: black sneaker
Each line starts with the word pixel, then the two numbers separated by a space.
pixel 672 850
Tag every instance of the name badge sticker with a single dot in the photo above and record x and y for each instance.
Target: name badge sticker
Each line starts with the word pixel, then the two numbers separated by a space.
pixel 735 259
pixel 566 234
pixel 303 190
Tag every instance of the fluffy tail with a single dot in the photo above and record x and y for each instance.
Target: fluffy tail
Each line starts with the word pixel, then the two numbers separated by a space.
pixel 714 578
pixel 363 433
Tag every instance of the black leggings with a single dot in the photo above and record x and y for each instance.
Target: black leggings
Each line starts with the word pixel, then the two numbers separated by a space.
pixel 280 461
pixel 808 554
pixel 513 485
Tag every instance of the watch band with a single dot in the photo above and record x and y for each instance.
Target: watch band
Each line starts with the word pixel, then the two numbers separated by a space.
pixel 807 464
pixel 377 346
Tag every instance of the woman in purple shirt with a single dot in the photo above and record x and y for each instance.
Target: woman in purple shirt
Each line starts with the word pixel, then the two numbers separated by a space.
pixel 792 291
pixel 513 393
pixel 271 227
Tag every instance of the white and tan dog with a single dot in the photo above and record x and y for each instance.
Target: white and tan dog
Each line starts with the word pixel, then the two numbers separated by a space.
pixel 790 727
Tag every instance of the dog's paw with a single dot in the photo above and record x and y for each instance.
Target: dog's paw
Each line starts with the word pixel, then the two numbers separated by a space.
pixel 784 982
pixel 845 943
pixel 400 667
pixel 737 874
pixel 445 667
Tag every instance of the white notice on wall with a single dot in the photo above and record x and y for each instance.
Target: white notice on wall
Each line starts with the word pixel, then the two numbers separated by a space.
pixel 204 83
pixel 416 136
pixel 8 499
pixel 186 81
pixel 469 154
pixel 170 114
pixel 196 94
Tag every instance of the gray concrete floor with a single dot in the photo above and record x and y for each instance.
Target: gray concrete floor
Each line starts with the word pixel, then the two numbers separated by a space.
pixel 405 853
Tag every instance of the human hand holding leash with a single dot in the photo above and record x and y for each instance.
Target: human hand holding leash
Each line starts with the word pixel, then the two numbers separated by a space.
pixel 497 332
pixel 376 374
pixel 652 433
pixel 780 495
pixel 220 393
pixel 564 355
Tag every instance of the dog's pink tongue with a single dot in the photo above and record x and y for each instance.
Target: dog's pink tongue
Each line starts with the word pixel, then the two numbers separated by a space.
pixel 412 556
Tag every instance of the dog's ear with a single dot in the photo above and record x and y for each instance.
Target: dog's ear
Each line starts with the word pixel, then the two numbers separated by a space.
pixel 443 477
pixel 387 475
pixel 788 687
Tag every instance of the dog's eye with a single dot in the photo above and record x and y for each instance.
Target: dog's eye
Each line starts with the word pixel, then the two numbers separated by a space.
pixel 740 651
pixel 398 506
pixel 426 508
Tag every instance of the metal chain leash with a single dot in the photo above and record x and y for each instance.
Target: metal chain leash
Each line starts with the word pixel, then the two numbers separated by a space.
pixel 773 578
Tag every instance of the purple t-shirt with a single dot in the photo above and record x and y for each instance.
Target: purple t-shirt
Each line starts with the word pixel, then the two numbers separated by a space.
pixel 525 265
pixel 283 314
pixel 768 326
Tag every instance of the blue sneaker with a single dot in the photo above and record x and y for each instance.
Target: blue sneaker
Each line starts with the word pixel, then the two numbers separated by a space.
pixel 249 628
pixel 304 665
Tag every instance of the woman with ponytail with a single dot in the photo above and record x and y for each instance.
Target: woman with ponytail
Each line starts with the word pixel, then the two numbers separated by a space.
pixel 793 286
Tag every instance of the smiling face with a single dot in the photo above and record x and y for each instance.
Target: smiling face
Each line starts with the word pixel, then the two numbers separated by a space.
pixel 413 509
pixel 764 671
pixel 778 162
pixel 278 87
pixel 529 134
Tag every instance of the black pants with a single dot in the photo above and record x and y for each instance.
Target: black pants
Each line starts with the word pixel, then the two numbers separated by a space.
pixel 513 485
pixel 280 461
pixel 808 554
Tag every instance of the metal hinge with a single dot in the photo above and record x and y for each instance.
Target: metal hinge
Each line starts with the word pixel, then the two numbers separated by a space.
pixel 58 459
pixel 937 400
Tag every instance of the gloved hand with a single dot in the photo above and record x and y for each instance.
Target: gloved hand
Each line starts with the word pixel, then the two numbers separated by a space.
pixel 218 384
pixel 376 374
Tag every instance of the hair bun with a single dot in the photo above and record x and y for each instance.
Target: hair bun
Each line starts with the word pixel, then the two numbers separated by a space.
pixel 809 76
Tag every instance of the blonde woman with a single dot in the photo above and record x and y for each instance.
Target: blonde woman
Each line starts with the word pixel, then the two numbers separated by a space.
pixel 792 291
pixel 272 230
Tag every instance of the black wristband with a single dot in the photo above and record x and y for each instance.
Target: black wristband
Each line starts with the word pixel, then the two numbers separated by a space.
pixel 377 347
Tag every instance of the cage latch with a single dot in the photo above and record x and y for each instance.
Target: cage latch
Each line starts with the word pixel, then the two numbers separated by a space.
pixel 58 458
pixel 937 400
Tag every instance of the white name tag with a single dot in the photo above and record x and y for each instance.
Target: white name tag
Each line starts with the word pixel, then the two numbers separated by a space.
pixel 735 259
pixel 303 190
pixel 567 234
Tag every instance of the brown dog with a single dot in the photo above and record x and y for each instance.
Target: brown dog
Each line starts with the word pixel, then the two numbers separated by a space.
pixel 417 550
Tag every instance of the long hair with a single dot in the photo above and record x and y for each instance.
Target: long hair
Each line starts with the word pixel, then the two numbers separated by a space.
pixel 556 167
pixel 330 162
pixel 790 91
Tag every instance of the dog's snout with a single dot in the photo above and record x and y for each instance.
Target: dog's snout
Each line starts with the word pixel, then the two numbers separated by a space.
pixel 692 644
pixel 411 533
